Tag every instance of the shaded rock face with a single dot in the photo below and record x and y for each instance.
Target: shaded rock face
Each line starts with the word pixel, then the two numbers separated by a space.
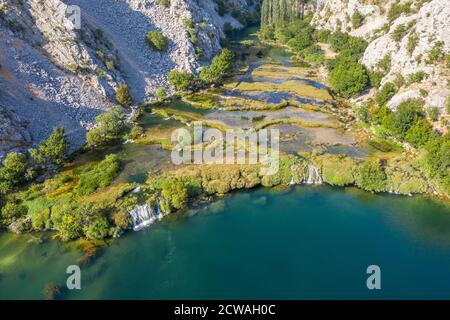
pixel 54 75
pixel 428 22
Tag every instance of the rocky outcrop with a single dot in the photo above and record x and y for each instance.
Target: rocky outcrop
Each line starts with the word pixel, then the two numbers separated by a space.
pixel 406 38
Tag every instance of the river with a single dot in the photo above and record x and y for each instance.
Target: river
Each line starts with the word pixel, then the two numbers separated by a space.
pixel 307 242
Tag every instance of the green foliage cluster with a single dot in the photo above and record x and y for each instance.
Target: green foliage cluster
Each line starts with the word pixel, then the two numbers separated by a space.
pixel 123 96
pixel 10 212
pixel 109 126
pixel 98 176
pixel 398 8
pixel 174 195
pixel 357 19
pixel 18 169
pixel 371 176
pixel 437 160
pixel 182 81
pixel 348 78
pixel 157 40
pixel 161 93
pixel 386 93
pixel 75 221
pixel 56 147
pixel 416 77
pixel 165 3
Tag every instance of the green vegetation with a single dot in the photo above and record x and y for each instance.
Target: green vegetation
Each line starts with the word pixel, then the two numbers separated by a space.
pixel 123 96
pixel 413 41
pixel 161 93
pixel 437 53
pixel 348 78
pixel 357 19
pixel 165 3
pixel 157 40
pixel 219 68
pixel 13 171
pixel 416 77
pixel 386 93
pixel 108 128
pixel 370 176
pixel 10 212
pixel 397 9
pixel 98 176
pixel 55 148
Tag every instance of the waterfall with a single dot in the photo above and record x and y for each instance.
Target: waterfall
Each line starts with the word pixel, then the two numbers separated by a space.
pixel 313 175
pixel 144 216
pixel 292 181
pixel 391 189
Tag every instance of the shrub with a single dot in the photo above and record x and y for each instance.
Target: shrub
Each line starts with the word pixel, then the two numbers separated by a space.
pixel 157 40
pixel 350 46
pixel 219 67
pixel 448 105
pixel 416 77
pixel 375 79
pixel 313 55
pixel 406 115
pixel 123 96
pixel 433 113
pixel 108 128
pixel 413 41
pixel 182 81
pixel 12 211
pixel 397 9
pixel 370 176
pixel 174 192
pixel 13 171
pixel 436 53
pixel 348 78
pixel 99 176
pixel 386 93
pixel 165 3
pixel 136 132
pixel 399 33
pixel 437 158
pixel 301 41
pixel 161 93
pixel 420 133
pixel 384 65
pixel 357 19
pixel 56 147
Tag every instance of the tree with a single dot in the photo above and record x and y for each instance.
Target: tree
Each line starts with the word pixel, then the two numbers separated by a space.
pixel 301 41
pixel 182 81
pixel 370 176
pixel 14 168
pixel 219 68
pixel 123 96
pixel 108 128
pixel 348 78
pixel 56 147
pixel 157 40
